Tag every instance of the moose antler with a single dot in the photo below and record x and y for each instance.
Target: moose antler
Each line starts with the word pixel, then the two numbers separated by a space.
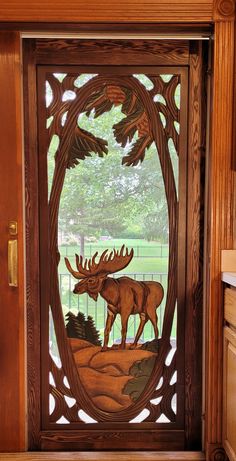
pixel 107 264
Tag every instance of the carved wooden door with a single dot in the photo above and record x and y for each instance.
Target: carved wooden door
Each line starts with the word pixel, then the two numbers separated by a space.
pixel 94 384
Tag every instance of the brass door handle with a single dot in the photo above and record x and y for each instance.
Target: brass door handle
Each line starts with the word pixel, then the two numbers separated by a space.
pixel 12 263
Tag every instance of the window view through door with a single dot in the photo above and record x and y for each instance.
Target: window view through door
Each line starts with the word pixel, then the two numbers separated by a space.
pixel 113 198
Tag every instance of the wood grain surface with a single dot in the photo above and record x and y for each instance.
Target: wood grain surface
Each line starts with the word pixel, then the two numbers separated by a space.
pixel 194 298
pixel 228 261
pixel 12 326
pixel 219 224
pixel 31 236
pixel 50 440
pixel 86 30
pixel 230 306
pixel 229 396
pixel 124 10
pixel 105 456
pixel 234 147
pixel 144 439
pixel 112 52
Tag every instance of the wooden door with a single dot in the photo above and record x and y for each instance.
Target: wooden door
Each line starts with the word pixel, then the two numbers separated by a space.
pixel 85 390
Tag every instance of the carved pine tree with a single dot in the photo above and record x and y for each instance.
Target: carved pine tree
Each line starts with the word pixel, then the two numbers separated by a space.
pixel 82 322
pixel 75 327
pixel 92 334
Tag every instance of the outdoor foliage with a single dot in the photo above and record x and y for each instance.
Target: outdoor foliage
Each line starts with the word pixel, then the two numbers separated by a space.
pixel 104 197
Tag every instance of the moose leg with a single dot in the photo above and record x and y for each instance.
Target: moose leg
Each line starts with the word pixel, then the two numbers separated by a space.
pixel 109 322
pixel 124 325
pixel 143 320
pixel 153 317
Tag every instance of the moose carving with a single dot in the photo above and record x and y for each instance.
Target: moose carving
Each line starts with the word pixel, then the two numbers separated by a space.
pixel 123 295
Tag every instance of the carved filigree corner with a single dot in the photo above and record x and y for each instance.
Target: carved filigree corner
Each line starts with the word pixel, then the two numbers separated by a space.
pixel 224 10
pixel 218 454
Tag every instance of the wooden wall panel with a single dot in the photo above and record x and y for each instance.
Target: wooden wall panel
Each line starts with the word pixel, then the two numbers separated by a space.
pixel 106 10
pixel 219 226
pixel 234 142
pixel 12 325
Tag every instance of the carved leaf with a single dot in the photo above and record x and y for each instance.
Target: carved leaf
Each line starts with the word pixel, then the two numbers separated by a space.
pixel 131 103
pixel 137 153
pixel 82 144
pixel 98 102
pixel 124 130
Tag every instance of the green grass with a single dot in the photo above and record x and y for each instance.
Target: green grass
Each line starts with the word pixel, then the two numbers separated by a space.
pixel 137 265
pixel 141 247
pixel 152 256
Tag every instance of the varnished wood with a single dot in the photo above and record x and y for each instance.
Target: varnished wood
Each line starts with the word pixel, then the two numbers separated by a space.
pixel 229 414
pixel 53 443
pixel 31 235
pixel 224 10
pixel 234 207
pixel 230 306
pixel 228 261
pixel 114 52
pixel 143 440
pixel 234 130
pixel 105 456
pixel 124 10
pixel 119 289
pixel 118 438
pixel 12 327
pixel 107 30
pixel 194 290
pixel 219 224
pixel 212 320
pixel 216 452
pixel 234 147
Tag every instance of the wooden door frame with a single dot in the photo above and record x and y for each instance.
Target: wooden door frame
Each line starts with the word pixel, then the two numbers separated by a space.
pixel 219 229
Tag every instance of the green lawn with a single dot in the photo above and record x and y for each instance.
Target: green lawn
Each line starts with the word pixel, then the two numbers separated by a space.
pixel 148 256
pixel 141 247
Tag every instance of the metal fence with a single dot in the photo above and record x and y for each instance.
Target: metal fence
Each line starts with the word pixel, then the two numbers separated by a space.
pixel 98 310
pixel 147 251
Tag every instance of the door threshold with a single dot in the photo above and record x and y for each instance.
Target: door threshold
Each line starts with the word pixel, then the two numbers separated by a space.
pixel 105 456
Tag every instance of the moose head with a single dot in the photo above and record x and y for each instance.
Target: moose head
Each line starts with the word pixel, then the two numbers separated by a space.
pixel 92 275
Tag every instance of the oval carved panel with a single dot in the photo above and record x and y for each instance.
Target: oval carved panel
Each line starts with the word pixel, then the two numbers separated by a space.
pixel 93 380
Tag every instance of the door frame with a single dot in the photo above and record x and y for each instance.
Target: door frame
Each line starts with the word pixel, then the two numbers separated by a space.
pixel 219 229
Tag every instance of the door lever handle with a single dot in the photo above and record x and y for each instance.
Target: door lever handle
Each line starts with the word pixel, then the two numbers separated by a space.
pixel 12 263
